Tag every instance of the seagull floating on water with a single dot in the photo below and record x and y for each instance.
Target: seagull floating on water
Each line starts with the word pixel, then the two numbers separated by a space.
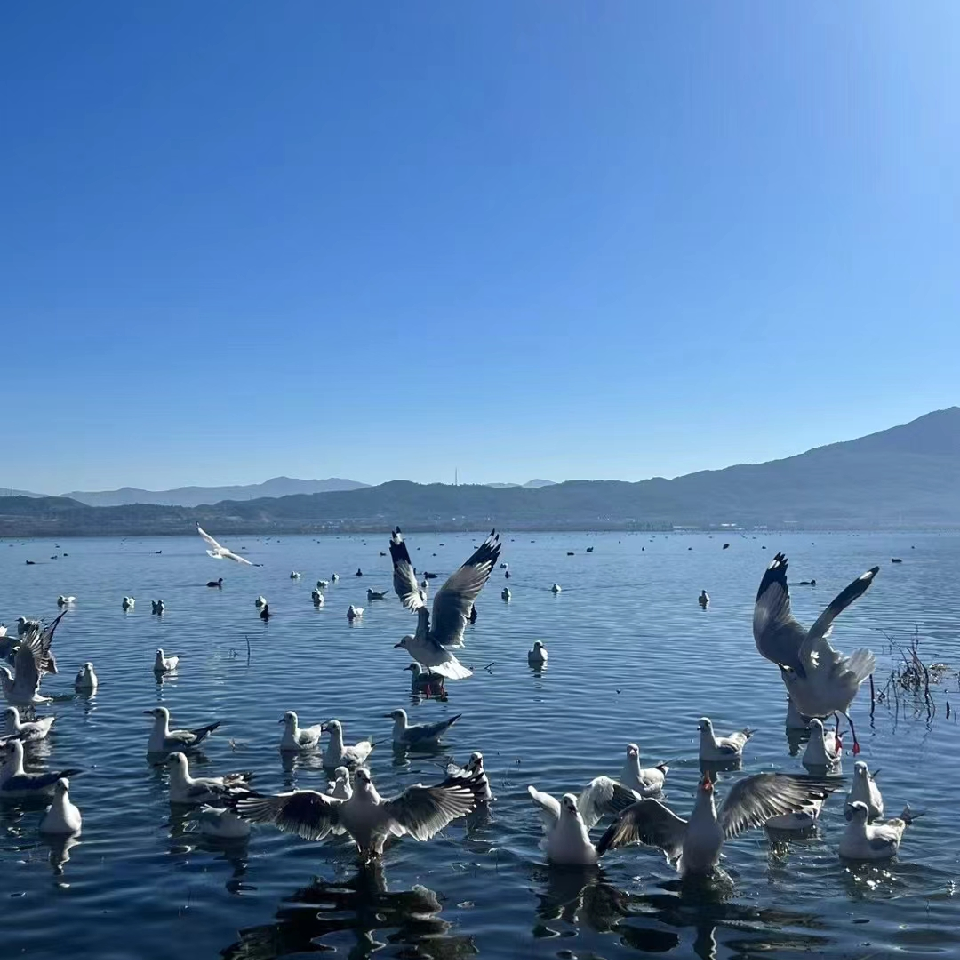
pixel 294 574
pixel 864 789
pixel 451 606
pixel 62 816
pixel 260 602
pixel 128 603
pixel 565 824
pixel 297 739
pixel 354 613
pixel 339 754
pixel 86 680
pixel 695 845
pixel 30 731
pixel 16 784
pixel 316 596
pixel 418 734
pixel 556 588
pixel 163 663
pixel 219 552
pixel 802 821
pixel 376 595
pixel 863 840
pixel 196 790
pixel 340 788
pixel 824 749
pixel 220 823
pixel 645 781
pixel 505 594
pixel 164 740
pixel 64 601
pixel 704 599
pixel 473 769
pixel 425 681
pixel 419 812
pixel 157 607
pixel 537 657
pixel 714 749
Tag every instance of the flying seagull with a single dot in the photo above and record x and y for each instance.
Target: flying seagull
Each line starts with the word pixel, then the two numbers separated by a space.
pixel 218 552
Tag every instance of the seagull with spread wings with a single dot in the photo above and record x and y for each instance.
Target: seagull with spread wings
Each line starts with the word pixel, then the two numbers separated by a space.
pixel 33 659
pixel 695 845
pixel 219 552
pixel 420 812
pixel 452 605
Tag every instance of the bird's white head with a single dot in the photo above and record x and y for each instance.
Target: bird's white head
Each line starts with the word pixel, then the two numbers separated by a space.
pixel 398 715
pixel 289 718
pixel 404 643
pixel 341 773
pixel 363 777
pixel 861 770
pixel 13 750
pixel 177 762
pixel 633 750
pixel 12 713
pixel 569 805
pixel 331 726
pixel 159 713
pixel 476 761
pixel 61 787
pixel 705 726
pixel 857 811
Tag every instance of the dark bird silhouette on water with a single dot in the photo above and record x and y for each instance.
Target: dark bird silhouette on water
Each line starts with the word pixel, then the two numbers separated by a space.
pixel 215 583
pixel 265 612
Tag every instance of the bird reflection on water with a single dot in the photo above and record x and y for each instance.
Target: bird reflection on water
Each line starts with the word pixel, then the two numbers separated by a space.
pixel 313 919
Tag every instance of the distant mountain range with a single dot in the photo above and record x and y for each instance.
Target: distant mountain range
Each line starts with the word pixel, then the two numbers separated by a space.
pixel 907 476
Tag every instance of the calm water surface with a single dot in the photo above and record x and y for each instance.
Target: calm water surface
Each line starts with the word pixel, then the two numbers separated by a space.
pixel 632 658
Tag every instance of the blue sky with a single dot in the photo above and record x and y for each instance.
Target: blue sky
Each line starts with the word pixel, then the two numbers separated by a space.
pixel 536 239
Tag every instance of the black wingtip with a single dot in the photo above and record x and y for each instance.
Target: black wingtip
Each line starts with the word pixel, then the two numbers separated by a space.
pixel 775 573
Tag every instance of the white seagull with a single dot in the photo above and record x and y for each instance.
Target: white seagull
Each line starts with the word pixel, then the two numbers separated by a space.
pixel 802 821
pixel 695 845
pixel 556 588
pixel 220 823
pixel 128 603
pixel 317 597
pixel 33 659
pixel 340 788
pixel 199 790
pixel 260 602
pixel 164 664
pixel 474 768
pixel 565 824
pixel 537 657
pixel 297 739
pixel 505 594
pixel 863 840
pixel 86 680
pixel 451 606
pixel 219 552
pixel 16 784
pixel 419 812
pixel 645 781
pixel 62 816
pixel 354 613
pixel 63 601
pixel 31 731
pixel 339 754
pixel 824 749
pixel 865 790
pixel 418 734
pixel 714 749
pixel 164 740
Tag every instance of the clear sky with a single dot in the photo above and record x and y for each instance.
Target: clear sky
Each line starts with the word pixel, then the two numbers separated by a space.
pixel 522 239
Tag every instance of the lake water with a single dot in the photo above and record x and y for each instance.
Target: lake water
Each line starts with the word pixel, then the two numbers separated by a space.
pixel 632 658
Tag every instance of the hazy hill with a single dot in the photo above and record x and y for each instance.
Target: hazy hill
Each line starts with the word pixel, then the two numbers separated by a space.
pixel 907 476
pixel 194 496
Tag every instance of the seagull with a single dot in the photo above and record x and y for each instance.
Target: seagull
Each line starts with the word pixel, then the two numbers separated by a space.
pixel 322 585
pixel 33 658
pixel 260 602
pixel 128 603
pixel 644 781
pixel 865 790
pixel 354 613
pixel 695 845
pixel 32 731
pixel 219 823
pixel 27 626
pixel 704 599
pixel 157 607
pixel 714 749
pixel 86 681
pixel 419 812
pixel 62 816
pixel 862 840
pixel 16 784
pixel 800 822
pixel 335 577
pixel 556 588
pixel 565 824
pixel 418 734
pixel 164 740
pixel 218 552
pixel 424 681
pixel 294 574
pixel 537 657
pixel 505 594
pixel 295 738
pixel 778 636
pixel 339 754
pixel 65 601
pixel 196 790
pixel 265 612
pixel 3 629
pixel 340 788
pixel 451 606
pixel 375 595
pixel 164 664
pixel 474 768
pixel 824 748
pixel 317 597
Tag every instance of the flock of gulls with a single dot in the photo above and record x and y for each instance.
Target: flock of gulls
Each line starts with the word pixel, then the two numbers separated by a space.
pixel 820 682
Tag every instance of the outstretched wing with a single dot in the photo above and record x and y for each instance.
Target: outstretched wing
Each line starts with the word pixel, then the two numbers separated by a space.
pixel 28 667
pixel 754 800
pixel 549 807
pixel 603 796
pixel 404 579
pixel 422 811
pixel 214 546
pixel 455 600
pixel 647 821
pixel 840 603
pixel 776 632
pixel 310 814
